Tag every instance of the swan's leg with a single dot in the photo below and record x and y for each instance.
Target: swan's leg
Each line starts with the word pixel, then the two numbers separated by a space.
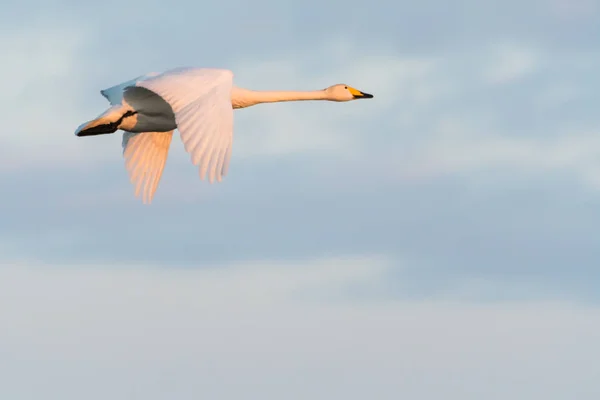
pixel 109 122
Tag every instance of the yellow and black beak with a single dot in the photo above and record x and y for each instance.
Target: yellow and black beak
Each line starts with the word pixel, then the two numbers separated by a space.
pixel 359 95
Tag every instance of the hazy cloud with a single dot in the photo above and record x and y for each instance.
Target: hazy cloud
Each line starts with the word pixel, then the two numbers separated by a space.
pixel 439 240
pixel 275 330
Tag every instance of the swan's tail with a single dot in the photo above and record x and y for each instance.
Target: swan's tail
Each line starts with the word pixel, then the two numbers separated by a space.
pixel 108 122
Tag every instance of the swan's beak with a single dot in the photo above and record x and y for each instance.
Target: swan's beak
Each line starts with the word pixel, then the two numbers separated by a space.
pixel 363 95
pixel 360 95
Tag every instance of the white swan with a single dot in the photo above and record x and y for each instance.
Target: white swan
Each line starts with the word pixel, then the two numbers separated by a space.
pixel 199 103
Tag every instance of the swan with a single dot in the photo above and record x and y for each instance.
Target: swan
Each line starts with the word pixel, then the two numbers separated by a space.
pixel 199 103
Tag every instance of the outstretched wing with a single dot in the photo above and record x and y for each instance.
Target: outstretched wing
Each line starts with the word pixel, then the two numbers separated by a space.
pixel 145 158
pixel 201 101
pixel 114 94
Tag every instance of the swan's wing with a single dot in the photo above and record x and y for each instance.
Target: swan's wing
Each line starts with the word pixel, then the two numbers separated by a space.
pixel 145 157
pixel 201 101
pixel 114 94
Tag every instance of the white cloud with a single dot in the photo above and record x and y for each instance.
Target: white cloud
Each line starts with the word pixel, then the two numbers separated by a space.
pixel 35 77
pixel 575 10
pixel 463 146
pixel 274 330
pixel 396 81
pixel 510 62
pixel 42 75
pixel 50 89
pixel 410 96
pixel 556 96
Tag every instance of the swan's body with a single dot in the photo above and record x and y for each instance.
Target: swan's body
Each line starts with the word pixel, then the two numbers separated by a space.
pixel 199 103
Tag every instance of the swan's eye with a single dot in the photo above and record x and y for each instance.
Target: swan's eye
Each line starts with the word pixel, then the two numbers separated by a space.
pixel 345 87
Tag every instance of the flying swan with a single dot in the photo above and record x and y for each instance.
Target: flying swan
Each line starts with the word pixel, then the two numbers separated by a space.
pixel 199 103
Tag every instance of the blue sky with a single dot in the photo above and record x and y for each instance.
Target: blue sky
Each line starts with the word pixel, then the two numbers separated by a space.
pixel 437 240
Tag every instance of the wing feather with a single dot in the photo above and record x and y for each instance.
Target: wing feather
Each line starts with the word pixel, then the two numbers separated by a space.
pixel 201 101
pixel 114 94
pixel 145 157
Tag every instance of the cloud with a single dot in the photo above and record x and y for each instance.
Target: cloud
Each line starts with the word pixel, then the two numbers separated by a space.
pixel 439 121
pixel 318 179
pixel 231 290
pixel 39 69
pixel 510 62
pixel 416 110
pixel 322 128
pixel 254 329
pixel 54 85
pixel 463 288
pixel 576 10
pixel 433 125
pixel 43 81
pixel 458 148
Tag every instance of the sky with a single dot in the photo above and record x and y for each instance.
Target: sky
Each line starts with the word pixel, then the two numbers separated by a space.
pixel 437 241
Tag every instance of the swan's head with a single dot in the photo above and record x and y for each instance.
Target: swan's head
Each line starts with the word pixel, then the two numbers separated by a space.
pixel 343 92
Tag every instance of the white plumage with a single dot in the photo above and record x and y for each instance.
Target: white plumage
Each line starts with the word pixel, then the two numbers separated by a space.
pixel 199 103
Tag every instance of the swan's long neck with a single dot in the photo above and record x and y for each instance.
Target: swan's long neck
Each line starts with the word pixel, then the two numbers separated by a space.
pixel 241 98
